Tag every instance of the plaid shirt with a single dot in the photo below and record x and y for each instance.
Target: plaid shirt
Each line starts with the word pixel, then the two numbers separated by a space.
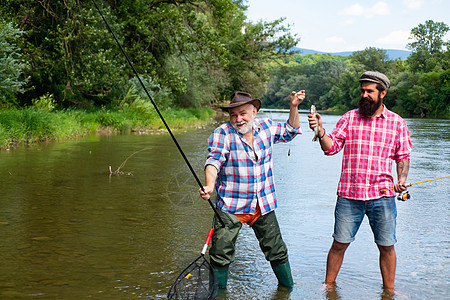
pixel 245 175
pixel 371 144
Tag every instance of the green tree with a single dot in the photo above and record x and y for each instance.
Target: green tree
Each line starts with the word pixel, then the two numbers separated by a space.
pixel 373 59
pixel 314 73
pixel 427 93
pixel 12 64
pixel 70 57
pixel 251 47
pixel 428 46
pixel 327 73
pixel 344 94
pixel 429 37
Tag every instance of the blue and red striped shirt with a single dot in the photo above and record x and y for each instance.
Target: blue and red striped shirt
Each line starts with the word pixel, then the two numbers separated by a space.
pixel 245 174
pixel 370 146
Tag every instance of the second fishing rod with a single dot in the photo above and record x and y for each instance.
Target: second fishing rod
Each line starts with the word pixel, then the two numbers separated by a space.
pixel 159 112
pixel 403 196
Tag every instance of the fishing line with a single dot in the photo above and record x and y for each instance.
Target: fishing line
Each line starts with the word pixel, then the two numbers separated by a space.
pixel 159 113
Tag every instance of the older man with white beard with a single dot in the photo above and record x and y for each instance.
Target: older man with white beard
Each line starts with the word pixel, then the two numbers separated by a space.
pixel 239 168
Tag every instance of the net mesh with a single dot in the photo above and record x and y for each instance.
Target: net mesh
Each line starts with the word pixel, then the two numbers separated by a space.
pixel 197 281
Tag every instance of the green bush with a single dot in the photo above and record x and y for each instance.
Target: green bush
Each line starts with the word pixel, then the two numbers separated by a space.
pixel 45 102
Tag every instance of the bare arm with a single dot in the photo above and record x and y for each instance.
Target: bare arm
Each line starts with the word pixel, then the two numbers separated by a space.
pixel 324 140
pixel 402 174
pixel 296 99
pixel 210 178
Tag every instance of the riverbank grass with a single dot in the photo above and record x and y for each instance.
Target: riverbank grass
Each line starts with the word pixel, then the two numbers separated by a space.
pixel 32 125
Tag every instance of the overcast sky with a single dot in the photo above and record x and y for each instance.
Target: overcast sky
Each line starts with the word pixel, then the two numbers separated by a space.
pixel 350 25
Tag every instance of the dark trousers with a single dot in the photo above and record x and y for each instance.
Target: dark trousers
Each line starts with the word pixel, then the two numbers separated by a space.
pixel 267 232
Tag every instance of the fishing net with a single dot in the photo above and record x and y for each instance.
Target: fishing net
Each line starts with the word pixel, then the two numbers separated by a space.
pixel 197 281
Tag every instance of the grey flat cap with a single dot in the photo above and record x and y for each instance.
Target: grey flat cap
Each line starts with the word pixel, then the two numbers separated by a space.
pixel 376 77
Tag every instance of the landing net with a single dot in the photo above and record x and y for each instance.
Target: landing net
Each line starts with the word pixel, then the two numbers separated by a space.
pixel 197 281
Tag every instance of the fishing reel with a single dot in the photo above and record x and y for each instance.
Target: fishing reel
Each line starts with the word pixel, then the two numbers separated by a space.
pixel 403 196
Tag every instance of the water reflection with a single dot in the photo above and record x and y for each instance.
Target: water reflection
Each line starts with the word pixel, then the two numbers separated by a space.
pixel 331 292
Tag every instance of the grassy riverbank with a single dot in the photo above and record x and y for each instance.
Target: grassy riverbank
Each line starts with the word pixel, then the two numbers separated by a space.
pixel 33 125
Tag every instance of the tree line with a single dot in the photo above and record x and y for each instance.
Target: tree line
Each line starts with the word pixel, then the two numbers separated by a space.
pixel 194 54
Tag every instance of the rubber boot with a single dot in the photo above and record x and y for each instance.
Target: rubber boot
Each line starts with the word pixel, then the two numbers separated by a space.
pixel 283 273
pixel 221 277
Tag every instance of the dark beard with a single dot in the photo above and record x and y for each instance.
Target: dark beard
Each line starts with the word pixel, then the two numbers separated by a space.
pixel 368 107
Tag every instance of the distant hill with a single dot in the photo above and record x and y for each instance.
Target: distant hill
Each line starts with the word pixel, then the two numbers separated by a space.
pixel 393 54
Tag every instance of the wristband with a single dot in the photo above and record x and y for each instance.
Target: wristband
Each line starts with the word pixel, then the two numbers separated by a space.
pixel 321 137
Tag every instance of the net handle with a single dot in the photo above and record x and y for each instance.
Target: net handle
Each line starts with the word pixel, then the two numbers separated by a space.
pixel 207 241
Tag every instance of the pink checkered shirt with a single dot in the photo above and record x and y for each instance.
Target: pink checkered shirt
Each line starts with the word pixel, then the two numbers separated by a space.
pixel 370 145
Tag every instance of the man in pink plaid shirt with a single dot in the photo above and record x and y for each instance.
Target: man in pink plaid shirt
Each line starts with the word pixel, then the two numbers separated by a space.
pixel 372 138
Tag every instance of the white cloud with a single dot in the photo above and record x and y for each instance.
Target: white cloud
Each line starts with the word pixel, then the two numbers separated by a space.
pixel 357 10
pixel 413 4
pixel 349 21
pixel 335 40
pixel 380 9
pixel 395 39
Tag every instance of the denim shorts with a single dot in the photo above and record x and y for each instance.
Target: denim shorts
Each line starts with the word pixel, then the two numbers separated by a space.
pixel 349 214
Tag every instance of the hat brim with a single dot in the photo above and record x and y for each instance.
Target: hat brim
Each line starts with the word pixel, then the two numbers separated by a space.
pixel 371 80
pixel 256 103
pixel 367 79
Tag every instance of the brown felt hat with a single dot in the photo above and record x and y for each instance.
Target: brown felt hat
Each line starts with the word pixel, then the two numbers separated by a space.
pixel 376 77
pixel 241 98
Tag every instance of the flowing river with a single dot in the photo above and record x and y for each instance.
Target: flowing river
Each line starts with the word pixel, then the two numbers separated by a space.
pixel 70 230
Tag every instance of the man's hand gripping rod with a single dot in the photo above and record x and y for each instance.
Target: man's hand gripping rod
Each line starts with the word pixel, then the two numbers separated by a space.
pixel 410 184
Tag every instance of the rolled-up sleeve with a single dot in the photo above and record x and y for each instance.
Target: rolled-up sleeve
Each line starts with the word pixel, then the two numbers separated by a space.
pixel 217 148
pixel 338 136
pixel 403 144
pixel 284 132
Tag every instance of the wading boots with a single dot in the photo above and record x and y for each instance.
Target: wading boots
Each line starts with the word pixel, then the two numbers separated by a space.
pixel 284 275
pixel 221 277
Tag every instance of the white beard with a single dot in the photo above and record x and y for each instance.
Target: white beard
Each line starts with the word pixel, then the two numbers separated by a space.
pixel 244 129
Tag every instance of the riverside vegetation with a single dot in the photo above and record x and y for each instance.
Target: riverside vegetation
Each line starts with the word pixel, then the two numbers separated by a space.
pixel 41 122
pixel 62 75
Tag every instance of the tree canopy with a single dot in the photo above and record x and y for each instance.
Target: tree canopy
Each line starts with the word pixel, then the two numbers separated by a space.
pixel 197 51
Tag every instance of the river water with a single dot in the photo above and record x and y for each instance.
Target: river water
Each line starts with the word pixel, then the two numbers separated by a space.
pixel 69 230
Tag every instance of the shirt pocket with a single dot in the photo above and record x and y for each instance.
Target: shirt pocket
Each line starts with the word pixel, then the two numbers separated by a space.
pixel 384 143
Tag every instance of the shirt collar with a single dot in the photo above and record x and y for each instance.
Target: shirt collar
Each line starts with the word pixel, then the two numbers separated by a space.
pixel 383 113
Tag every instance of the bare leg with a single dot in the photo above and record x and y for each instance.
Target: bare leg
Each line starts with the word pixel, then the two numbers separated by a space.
pixel 334 262
pixel 388 261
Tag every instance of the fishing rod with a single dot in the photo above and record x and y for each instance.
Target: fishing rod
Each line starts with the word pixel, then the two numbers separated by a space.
pixel 410 184
pixel 159 113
